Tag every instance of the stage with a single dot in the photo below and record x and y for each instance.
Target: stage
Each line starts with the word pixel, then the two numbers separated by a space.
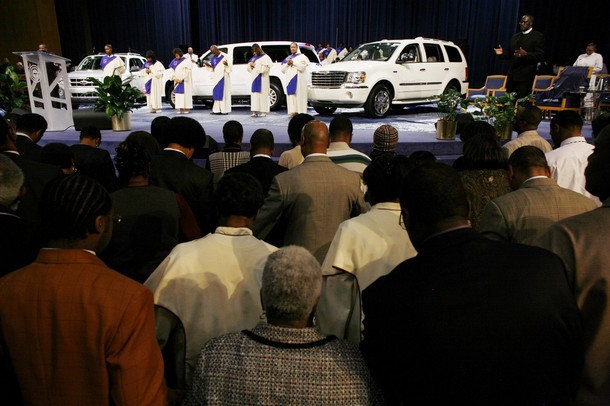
pixel 415 127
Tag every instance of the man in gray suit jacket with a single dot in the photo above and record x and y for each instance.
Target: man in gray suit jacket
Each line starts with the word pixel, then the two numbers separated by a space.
pixel 314 197
pixel 535 203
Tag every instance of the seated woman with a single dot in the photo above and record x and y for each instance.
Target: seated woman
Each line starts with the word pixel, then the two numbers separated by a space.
pixel 285 361
pixel 483 168
pixel 150 215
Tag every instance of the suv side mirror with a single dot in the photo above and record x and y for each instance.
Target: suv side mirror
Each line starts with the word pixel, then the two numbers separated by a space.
pixel 134 69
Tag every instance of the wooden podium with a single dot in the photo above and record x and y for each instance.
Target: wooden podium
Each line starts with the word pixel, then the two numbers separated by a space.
pixel 49 88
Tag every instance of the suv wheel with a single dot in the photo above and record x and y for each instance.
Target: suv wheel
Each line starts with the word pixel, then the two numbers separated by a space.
pixel 170 96
pixel 276 96
pixel 379 102
pixel 325 111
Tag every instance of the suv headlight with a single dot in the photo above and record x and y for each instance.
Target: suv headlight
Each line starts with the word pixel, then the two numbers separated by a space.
pixel 355 77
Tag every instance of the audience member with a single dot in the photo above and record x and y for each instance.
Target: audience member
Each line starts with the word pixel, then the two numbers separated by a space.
pixel 93 161
pixel 231 155
pixel 421 157
pixel 536 202
pixel 30 130
pixel 73 330
pixel 339 150
pixel 385 140
pixel 173 169
pixel 315 197
pixel 367 246
pixel 261 165
pixel 293 157
pixel 582 243
pixel 19 241
pixel 210 286
pixel 526 124
pixel 37 174
pixel 599 123
pixel 157 129
pixel 59 154
pixel 469 131
pixel 287 360
pixel 469 320
pixel 149 217
pixel 146 140
pixel 484 171
pixel 569 158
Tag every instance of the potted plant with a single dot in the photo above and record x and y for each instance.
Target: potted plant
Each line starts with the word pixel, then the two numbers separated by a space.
pixel 449 105
pixel 13 92
pixel 500 111
pixel 116 98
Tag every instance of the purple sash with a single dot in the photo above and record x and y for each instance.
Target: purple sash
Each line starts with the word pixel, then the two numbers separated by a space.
pixel 326 52
pixel 257 83
pixel 106 60
pixel 148 84
pixel 179 89
pixel 219 90
pixel 291 88
pixel 289 57
pixel 215 60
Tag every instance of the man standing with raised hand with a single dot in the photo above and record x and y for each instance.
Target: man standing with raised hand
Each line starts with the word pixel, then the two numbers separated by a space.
pixel 220 64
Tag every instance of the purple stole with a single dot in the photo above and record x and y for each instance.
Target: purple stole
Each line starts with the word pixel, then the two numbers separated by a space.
pixel 257 83
pixel 106 60
pixel 173 64
pixel 291 88
pixel 148 83
pixel 219 90
pixel 326 52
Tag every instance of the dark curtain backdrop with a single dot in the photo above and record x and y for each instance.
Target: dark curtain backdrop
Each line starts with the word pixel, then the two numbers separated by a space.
pixel 476 25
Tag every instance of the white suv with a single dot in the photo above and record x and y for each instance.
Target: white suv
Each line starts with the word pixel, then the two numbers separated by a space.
pixel 83 90
pixel 381 74
pixel 241 80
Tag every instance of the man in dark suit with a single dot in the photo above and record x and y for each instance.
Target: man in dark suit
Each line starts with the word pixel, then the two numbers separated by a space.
pixel 261 166
pixel 173 169
pixel 30 129
pixel 37 174
pixel 469 320
pixel 314 197
pixel 526 50
pixel 93 161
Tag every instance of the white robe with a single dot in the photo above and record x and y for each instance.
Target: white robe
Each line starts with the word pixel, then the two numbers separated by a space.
pixel 114 67
pixel 259 101
pixel 332 55
pixel 223 71
pixel 183 72
pixel 153 100
pixel 297 103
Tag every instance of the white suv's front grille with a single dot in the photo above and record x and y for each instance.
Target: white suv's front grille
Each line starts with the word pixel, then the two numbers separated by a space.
pixel 328 79
pixel 80 82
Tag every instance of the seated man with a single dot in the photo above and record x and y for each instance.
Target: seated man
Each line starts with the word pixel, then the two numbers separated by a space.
pixel 93 161
pixel 73 330
pixel 287 361
pixel 231 155
pixel 469 320
pixel 211 285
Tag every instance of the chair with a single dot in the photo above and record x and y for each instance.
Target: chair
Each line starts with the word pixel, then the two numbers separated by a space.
pixel 492 83
pixel 563 92
pixel 603 85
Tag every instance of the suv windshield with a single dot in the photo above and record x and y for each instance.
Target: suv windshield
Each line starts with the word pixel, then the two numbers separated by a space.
pixel 380 51
pixel 93 63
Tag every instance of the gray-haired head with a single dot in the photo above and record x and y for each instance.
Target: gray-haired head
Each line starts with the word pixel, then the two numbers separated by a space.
pixel 292 282
pixel 11 181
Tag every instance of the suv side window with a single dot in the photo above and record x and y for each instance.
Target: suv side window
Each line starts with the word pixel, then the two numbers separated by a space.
pixel 135 62
pixel 309 54
pixel 453 53
pixel 241 55
pixel 277 53
pixel 433 53
pixel 410 53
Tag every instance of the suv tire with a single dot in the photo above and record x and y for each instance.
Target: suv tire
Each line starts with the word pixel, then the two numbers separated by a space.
pixel 379 102
pixel 325 111
pixel 276 95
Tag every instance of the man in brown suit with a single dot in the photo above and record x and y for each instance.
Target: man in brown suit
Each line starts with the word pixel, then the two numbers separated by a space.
pixel 535 203
pixel 314 197
pixel 582 243
pixel 73 331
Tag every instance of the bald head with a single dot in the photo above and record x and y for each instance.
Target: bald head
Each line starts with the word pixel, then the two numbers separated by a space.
pixel 314 138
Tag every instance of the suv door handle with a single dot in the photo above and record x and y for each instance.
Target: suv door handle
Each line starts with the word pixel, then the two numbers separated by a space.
pixel 422 70
pixel 446 68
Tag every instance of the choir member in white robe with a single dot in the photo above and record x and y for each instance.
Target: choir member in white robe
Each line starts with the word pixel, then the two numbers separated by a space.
pixel 341 51
pixel 111 64
pixel 153 88
pixel 327 55
pixel 295 69
pixel 183 81
pixel 220 64
pixel 259 66
pixel 191 55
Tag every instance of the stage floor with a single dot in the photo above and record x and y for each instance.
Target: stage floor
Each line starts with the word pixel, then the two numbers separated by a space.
pixel 415 127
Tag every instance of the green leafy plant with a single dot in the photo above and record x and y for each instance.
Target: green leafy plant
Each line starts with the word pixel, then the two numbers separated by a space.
pixel 499 110
pixel 13 92
pixel 450 104
pixel 115 96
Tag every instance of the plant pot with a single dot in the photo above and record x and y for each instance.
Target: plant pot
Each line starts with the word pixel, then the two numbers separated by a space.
pixel 445 129
pixel 506 134
pixel 122 125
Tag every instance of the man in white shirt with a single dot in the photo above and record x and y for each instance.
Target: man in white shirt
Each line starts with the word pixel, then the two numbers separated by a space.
pixel 591 58
pixel 526 124
pixel 569 158
pixel 191 55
